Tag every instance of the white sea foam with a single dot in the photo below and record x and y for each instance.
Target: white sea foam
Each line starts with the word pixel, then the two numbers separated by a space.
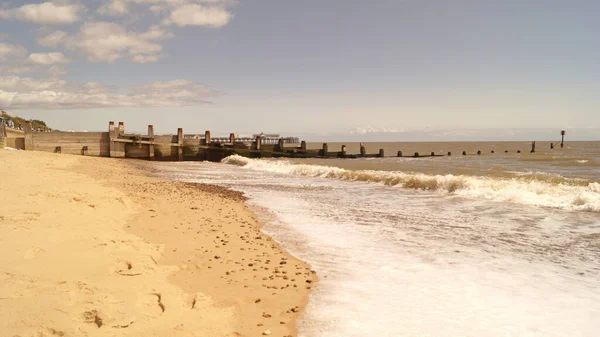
pixel 558 192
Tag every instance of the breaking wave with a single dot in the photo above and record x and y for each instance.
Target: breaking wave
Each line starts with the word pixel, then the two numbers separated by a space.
pixel 557 193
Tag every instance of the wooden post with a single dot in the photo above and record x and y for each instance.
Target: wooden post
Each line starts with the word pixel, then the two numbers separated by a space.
pixel 562 139
pixel 464 153
pixel 363 150
pixel 232 138
pixel 416 154
pixel 343 151
pixel 180 143
pixel 325 149
pixel 518 151
pixel 117 149
pixel 533 147
pixel 84 151
pixel 399 153
pixel 433 154
pixel 111 135
pixel 551 145
pixel 258 143
pixel 493 151
pixel 479 153
pixel 3 135
pixel 151 146
pixel 381 153
pixel 449 153
pixel 28 136
pixel 505 151
pixel 303 145
pixel 207 138
pixel 280 145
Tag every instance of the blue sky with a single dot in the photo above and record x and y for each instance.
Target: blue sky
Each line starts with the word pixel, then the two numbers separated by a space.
pixel 336 68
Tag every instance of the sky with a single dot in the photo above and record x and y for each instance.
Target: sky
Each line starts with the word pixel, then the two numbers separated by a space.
pixel 334 69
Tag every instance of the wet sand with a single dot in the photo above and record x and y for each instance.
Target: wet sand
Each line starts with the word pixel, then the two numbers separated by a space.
pixel 97 247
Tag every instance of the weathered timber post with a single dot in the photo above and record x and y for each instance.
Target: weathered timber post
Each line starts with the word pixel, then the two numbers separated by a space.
pixel 303 145
pixel 433 154
pixel 464 153
pixel 533 147
pixel 207 138
pixel 117 149
pixel 493 151
pixel 363 150
pixel 3 135
pixel 416 154
pixel 518 151
pixel 562 140
pixel 232 138
pixel 257 144
pixel 399 153
pixel 180 144
pixel 343 151
pixel 551 145
pixel 151 145
pixel 111 136
pixel 84 151
pixel 325 149
pixel 505 151
pixel 381 153
pixel 28 136
pixel 479 152
pixel 280 145
pixel 449 153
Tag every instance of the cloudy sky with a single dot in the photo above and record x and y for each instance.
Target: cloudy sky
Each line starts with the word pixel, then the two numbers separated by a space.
pixel 327 68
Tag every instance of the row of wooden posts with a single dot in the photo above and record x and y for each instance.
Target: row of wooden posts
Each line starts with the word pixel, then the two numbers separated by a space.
pixel 363 152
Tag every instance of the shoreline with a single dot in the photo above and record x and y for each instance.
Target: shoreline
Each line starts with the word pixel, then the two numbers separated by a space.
pixel 182 250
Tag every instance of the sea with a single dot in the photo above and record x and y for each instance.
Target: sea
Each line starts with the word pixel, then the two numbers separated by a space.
pixel 492 245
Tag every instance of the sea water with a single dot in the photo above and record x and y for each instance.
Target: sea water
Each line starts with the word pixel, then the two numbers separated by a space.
pixel 459 246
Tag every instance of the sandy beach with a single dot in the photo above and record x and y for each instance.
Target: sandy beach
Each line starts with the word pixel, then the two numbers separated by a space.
pixel 96 247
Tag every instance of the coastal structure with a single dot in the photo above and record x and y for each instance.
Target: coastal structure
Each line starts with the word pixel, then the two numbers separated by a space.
pixel 115 142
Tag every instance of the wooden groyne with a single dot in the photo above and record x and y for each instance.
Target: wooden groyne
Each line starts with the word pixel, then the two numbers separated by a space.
pixel 117 143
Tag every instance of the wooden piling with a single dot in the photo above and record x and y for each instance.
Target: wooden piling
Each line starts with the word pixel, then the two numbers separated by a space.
pixel 416 155
pixel 325 150
pixel 258 143
pixel 479 152
pixel 116 148
pixel 232 138
pixel 381 153
pixel 518 151
pixel 363 150
pixel 28 136
pixel 551 145
pixel 562 139
pixel 449 153
pixel 493 151
pixel 180 144
pixel 505 151
pixel 207 137
pixel 84 151
pixel 433 154
pixel 151 146
pixel 464 153
pixel 280 145
pixel 533 147
pixel 303 145
pixel 343 151
pixel 399 153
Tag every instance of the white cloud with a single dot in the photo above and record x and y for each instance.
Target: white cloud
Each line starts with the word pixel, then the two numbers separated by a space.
pixel 52 40
pixel 199 15
pixel 28 93
pixel 48 58
pixel 46 13
pixel 108 42
pixel 114 8
pixel 11 51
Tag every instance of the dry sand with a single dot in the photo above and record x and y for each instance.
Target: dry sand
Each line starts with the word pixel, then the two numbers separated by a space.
pixel 94 247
